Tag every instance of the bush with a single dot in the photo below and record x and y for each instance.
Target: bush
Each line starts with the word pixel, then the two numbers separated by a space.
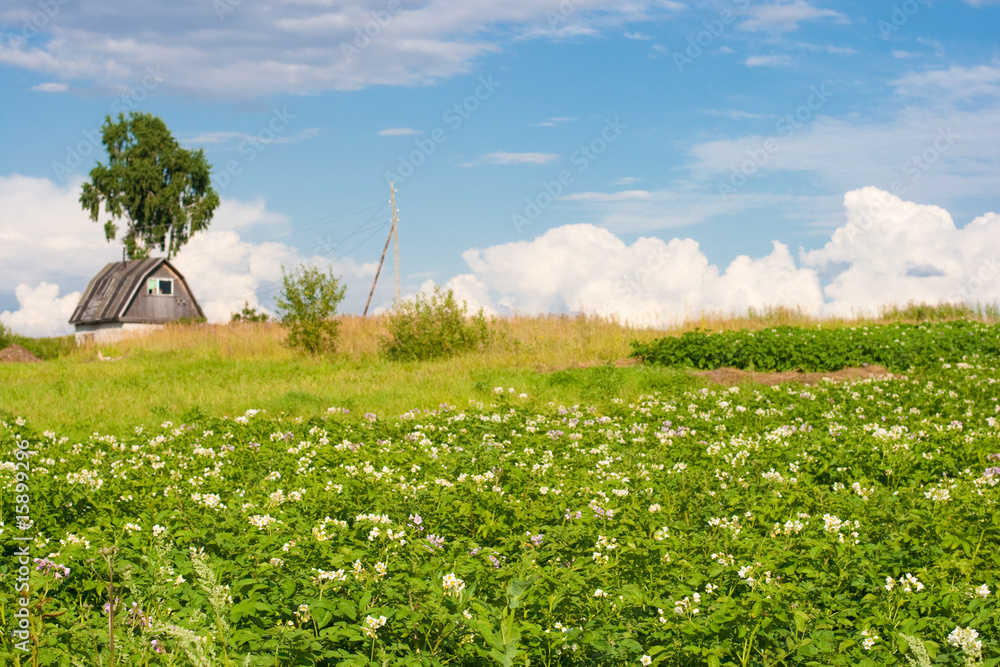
pixel 43 348
pixel 307 306
pixel 249 314
pixel 434 326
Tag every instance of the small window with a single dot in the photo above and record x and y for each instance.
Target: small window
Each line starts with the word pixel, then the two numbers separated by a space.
pixel 164 286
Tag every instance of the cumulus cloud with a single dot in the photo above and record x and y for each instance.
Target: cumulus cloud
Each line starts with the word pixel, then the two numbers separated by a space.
pixel 650 282
pixel 41 311
pixel 894 251
pixel 889 251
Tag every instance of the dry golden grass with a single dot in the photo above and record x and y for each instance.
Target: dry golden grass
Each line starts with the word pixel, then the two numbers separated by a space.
pixel 539 341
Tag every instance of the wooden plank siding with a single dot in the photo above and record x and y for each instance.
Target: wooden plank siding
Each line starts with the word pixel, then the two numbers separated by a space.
pixel 119 294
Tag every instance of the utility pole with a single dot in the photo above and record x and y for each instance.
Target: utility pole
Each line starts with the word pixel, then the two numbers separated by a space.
pixel 395 236
pixel 392 235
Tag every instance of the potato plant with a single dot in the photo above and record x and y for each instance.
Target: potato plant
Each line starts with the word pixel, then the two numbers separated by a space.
pixel 850 524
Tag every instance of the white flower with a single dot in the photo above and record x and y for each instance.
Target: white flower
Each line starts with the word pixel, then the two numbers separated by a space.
pixel 982 591
pixel 646 660
pixel 600 594
pixel 372 624
pixel 452 584
pixel 967 640
pixel 158 530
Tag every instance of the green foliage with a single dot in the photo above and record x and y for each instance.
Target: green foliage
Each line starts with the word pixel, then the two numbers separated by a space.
pixel 162 191
pixel 434 326
pixel 307 306
pixel 898 347
pixel 249 314
pixel 43 348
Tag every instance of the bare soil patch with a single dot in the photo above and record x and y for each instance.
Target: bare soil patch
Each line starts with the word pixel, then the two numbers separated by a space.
pixel 735 376
pixel 13 354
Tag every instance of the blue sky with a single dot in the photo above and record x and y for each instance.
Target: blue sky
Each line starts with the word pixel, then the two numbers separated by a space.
pixel 641 159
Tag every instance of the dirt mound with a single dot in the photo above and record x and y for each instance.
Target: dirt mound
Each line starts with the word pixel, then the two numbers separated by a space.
pixel 734 376
pixel 13 354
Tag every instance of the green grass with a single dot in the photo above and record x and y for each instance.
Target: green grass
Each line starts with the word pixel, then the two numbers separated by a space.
pixel 77 397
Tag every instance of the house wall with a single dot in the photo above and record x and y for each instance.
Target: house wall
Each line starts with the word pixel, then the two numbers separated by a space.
pixel 111 332
pixel 161 307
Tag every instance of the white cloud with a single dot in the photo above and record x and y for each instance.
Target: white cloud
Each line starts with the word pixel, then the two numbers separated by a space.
pixel 233 138
pixel 889 251
pixel 623 195
pixel 954 83
pixel 769 61
pixel 785 16
pixel 937 144
pixel 552 122
pixel 626 180
pixel 655 282
pixel 51 87
pixel 503 157
pixel 637 36
pixel 41 311
pixel 398 132
pixel 894 251
pixel 232 50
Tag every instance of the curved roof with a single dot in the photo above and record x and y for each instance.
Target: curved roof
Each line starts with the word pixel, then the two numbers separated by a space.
pixel 112 290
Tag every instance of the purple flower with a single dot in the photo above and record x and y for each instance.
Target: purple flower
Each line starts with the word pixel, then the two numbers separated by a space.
pixel 434 542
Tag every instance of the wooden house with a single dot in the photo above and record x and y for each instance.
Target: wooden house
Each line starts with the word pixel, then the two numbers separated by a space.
pixel 131 297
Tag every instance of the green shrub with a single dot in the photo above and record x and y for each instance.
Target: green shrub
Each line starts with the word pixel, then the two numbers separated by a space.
pixel 428 327
pixel 43 348
pixel 249 314
pixel 6 336
pixel 307 306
